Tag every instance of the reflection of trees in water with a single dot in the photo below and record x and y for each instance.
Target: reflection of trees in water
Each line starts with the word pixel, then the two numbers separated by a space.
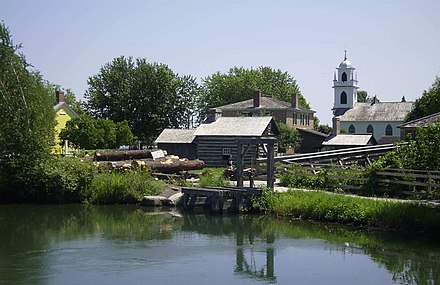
pixel 26 232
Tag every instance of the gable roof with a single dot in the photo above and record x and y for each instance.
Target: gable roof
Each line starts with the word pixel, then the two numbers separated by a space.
pixel 235 126
pixel 349 139
pixel 379 111
pixel 268 103
pixel 421 122
pixel 66 107
pixel 176 136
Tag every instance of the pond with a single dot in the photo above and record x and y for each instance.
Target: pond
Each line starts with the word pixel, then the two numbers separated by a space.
pixel 77 244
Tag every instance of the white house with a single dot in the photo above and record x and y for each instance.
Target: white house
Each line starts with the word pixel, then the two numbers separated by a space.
pixel 377 118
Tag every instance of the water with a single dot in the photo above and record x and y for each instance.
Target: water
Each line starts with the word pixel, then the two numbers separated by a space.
pixel 129 245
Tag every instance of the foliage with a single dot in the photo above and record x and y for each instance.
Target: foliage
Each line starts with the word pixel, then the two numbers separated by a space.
pixel 420 153
pixel 428 104
pixel 327 207
pixel 27 120
pixel 213 177
pixel 122 187
pixel 87 133
pixel 288 137
pixel 325 129
pixel 69 97
pixel 238 84
pixel 362 96
pixel 149 96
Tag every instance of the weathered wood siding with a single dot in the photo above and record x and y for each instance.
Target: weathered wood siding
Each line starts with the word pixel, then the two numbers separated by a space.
pixel 187 150
pixel 209 149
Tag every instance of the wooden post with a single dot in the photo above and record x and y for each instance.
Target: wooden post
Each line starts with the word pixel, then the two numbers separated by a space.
pixel 239 164
pixel 270 164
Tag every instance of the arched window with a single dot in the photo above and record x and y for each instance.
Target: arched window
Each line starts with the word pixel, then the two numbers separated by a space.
pixel 344 77
pixel 370 129
pixel 389 130
pixel 343 97
pixel 351 129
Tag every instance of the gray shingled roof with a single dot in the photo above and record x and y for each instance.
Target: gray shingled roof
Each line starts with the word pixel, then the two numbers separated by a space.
pixel 431 119
pixel 379 111
pixel 234 126
pixel 265 103
pixel 347 139
pixel 176 136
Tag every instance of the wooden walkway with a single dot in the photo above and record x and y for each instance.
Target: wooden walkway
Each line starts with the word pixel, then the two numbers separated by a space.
pixel 215 198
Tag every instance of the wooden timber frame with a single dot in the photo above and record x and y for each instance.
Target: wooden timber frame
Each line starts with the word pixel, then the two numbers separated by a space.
pixel 244 145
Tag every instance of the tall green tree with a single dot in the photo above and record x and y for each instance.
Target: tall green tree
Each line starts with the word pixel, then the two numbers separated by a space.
pixel 288 137
pixel 27 120
pixel 150 96
pixel 362 96
pixel 428 104
pixel 239 83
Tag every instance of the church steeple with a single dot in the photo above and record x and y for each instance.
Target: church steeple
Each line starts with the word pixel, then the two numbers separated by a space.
pixel 344 86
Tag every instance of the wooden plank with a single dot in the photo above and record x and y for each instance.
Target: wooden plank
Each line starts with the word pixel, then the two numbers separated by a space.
pixel 394 174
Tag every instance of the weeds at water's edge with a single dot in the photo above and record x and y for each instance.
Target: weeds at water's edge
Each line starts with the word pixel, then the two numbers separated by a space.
pixel 322 206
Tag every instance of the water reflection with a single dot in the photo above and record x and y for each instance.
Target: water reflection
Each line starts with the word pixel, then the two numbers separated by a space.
pixel 32 237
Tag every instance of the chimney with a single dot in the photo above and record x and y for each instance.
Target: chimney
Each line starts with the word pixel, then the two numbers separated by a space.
pixel 60 96
pixel 257 99
pixel 212 115
pixel 336 125
pixel 294 100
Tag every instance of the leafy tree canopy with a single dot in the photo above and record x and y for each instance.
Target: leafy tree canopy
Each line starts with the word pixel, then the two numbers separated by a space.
pixel 88 133
pixel 288 137
pixel 238 84
pixel 428 104
pixel 362 96
pixel 27 120
pixel 149 96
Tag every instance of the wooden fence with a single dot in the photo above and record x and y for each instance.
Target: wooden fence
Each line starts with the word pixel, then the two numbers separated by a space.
pixel 396 182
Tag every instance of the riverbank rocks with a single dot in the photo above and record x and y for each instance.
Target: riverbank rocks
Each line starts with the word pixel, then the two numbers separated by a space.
pixel 153 201
pixel 174 199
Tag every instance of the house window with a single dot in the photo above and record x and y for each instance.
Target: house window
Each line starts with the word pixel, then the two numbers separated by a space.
pixel 307 120
pixel 344 77
pixel 62 112
pixel 226 151
pixel 343 97
pixel 370 129
pixel 389 130
pixel 351 129
pixel 302 119
pixel 295 118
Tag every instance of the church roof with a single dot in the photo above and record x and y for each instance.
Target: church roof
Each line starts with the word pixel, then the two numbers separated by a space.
pixel 345 64
pixel 265 103
pixel 378 111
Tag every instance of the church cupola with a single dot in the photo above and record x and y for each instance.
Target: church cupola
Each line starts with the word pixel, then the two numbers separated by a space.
pixel 344 86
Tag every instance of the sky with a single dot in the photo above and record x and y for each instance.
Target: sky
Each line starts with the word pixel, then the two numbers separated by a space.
pixel 394 45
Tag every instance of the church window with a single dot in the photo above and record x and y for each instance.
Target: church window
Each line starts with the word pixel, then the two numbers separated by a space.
pixel 343 97
pixel 351 129
pixel 370 129
pixel 389 130
pixel 344 77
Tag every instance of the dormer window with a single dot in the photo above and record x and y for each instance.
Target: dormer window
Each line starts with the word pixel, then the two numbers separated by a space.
pixel 62 112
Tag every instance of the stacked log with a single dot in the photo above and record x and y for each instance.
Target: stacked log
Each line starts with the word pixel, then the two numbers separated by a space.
pixel 119 155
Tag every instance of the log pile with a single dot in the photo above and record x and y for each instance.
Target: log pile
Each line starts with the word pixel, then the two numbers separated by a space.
pixel 120 160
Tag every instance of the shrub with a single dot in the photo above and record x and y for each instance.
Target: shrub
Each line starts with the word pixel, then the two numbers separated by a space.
pixel 213 177
pixel 122 187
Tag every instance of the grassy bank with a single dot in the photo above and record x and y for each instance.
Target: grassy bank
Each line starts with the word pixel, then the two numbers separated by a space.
pixel 322 206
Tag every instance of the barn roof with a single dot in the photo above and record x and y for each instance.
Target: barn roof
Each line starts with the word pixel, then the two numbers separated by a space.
pixel 235 126
pixel 176 136
pixel 349 139
pixel 268 103
pixel 378 111
pixel 431 119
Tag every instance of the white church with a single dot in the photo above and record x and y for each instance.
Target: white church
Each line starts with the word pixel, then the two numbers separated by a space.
pixel 379 119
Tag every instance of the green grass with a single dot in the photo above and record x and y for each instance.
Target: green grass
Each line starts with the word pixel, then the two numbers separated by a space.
pixel 122 187
pixel 212 177
pixel 322 206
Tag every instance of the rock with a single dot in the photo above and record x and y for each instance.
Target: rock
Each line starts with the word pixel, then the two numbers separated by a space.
pixel 174 199
pixel 153 201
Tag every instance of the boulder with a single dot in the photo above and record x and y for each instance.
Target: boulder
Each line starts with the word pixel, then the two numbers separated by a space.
pixel 153 201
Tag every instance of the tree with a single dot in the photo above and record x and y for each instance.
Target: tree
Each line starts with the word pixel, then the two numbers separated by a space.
pixel 150 96
pixel 326 129
pixel 288 137
pixel 27 120
pixel 88 133
pixel 238 84
pixel 362 96
pixel 428 104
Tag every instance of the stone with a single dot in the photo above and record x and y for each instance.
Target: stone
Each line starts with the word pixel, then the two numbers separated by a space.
pixel 153 201
pixel 174 199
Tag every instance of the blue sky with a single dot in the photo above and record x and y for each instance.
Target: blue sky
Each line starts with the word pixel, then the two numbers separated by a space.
pixel 394 45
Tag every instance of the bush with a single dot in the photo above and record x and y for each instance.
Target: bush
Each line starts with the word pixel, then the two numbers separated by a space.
pixel 122 187
pixel 213 177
